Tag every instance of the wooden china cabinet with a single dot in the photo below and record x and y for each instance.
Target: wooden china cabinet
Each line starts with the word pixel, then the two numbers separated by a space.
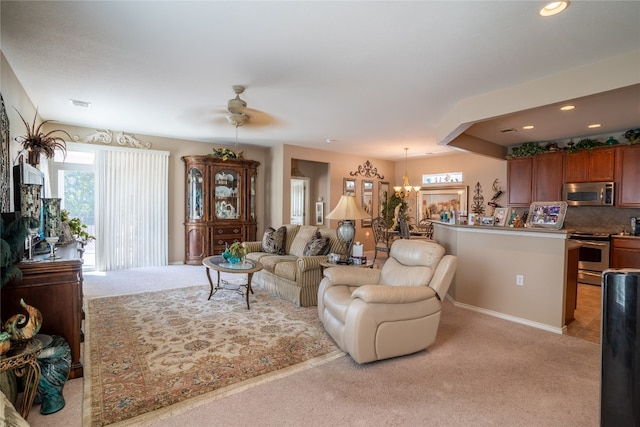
pixel 220 204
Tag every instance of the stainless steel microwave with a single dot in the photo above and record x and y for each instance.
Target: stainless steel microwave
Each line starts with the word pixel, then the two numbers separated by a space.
pixel 588 193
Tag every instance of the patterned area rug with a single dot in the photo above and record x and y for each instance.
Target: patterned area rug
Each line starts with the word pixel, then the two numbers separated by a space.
pixel 168 351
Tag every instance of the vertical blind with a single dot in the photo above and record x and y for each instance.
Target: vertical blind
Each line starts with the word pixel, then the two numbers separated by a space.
pixel 132 208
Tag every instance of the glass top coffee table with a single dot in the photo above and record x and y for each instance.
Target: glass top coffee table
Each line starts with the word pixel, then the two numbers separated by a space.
pixel 219 264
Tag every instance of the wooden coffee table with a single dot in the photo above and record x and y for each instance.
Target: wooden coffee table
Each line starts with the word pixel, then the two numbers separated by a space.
pixel 219 264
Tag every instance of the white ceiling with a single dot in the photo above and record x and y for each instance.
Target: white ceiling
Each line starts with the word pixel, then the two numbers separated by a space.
pixel 372 76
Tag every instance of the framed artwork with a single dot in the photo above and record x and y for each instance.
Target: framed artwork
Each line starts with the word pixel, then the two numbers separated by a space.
pixel 367 202
pixel 500 216
pixel 349 187
pixel 435 201
pixel 547 214
pixel 319 213
pixel 5 166
pixel 383 196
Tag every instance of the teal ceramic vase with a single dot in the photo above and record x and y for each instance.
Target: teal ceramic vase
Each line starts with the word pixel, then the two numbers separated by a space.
pixel 55 364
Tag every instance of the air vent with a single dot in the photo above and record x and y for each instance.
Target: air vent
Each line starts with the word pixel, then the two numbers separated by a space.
pixel 509 130
pixel 82 104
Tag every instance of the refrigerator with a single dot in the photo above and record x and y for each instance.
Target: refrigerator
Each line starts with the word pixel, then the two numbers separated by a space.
pixel 620 349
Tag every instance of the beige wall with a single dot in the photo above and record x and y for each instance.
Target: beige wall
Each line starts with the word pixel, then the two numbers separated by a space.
pixel 329 183
pixel 488 262
pixel 476 169
pixel 178 148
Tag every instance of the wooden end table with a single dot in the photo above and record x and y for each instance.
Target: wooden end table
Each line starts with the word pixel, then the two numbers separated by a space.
pixel 219 264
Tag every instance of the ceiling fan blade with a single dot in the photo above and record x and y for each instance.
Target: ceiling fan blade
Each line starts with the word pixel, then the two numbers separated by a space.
pixel 259 118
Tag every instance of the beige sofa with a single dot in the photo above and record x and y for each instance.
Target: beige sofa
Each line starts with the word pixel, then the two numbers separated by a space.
pixel 293 276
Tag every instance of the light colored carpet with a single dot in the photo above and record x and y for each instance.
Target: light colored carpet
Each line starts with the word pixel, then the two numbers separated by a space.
pixel 481 371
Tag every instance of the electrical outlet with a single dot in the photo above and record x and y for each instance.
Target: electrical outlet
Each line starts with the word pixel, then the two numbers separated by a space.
pixel 519 280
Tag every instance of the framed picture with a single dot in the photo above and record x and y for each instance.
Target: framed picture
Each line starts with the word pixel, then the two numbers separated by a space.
pixel 367 202
pixel 383 196
pixel 486 220
pixel 500 216
pixel 547 214
pixel 349 187
pixel 435 201
pixel 319 213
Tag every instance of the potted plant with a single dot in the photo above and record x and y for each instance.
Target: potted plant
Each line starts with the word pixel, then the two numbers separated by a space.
pixel 77 228
pixel 36 142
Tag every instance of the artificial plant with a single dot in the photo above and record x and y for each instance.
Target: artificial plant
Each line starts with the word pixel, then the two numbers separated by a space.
pixel 389 205
pixel 12 237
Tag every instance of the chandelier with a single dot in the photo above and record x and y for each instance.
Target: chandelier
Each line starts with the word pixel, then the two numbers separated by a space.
pixel 406 190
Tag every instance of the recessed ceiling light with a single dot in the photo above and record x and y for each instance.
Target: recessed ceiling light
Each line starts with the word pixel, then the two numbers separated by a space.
pixel 595 125
pixel 567 107
pixel 83 104
pixel 527 127
pixel 554 8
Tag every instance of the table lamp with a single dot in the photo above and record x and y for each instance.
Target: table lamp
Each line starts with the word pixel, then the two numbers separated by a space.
pixel 347 211
pixel 52 223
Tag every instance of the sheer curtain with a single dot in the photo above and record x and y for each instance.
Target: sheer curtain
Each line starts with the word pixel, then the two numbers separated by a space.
pixel 131 208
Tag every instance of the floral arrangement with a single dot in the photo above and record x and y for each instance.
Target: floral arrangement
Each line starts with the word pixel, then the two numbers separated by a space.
pixel 35 142
pixel 224 153
pixel 236 250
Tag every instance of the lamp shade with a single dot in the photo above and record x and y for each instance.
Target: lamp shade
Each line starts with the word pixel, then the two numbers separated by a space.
pixel 348 208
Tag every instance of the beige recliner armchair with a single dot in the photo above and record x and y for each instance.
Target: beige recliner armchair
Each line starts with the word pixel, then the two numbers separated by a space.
pixel 378 314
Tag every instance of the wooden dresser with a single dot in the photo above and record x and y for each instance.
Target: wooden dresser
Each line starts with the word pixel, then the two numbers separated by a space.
pixel 54 288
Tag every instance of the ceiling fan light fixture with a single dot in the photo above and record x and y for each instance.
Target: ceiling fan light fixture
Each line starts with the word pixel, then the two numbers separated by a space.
pixel 236 105
pixel 237 119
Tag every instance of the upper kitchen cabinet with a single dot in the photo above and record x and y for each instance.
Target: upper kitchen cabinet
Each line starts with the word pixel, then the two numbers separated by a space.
pixel 628 176
pixel 592 165
pixel 547 176
pixel 537 178
pixel 519 181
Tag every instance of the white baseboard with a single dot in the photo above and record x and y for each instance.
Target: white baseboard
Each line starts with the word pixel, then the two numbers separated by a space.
pixel 508 317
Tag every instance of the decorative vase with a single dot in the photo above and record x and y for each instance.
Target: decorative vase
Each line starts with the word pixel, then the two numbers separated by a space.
pixel 21 327
pixel 55 365
pixel 234 259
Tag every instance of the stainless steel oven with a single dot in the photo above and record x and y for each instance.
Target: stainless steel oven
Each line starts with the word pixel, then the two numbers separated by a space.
pixel 593 258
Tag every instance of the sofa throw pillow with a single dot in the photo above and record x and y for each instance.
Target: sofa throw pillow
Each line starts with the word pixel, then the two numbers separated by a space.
pixel 317 245
pixel 273 240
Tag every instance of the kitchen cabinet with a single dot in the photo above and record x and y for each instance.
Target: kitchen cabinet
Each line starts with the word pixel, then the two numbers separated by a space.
pixel 519 181
pixel 628 176
pixel 548 172
pixel 625 252
pixel 55 289
pixel 536 178
pixel 220 205
pixel 593 165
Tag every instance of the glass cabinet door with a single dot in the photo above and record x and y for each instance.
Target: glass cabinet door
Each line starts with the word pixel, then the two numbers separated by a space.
pixel 195 189
pixel 228 197
pixel 252 195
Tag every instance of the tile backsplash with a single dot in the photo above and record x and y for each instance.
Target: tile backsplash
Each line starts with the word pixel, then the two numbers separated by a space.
pixel 603 219
pixel 599 218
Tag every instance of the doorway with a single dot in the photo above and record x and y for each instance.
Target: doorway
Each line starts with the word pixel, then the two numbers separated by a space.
pixel 300 201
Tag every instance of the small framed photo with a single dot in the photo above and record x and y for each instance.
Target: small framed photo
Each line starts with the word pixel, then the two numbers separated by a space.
pixel 500 216
pixel 486 220
pixel 319 213
pixel 349 187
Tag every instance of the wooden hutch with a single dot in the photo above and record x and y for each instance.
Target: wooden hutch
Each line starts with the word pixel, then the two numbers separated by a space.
pixel 220 204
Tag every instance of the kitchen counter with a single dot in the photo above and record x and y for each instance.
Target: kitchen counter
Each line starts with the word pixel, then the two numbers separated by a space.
pixel 492 261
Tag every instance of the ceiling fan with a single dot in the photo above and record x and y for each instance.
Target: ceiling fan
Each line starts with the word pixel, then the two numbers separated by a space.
pixel 238 114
